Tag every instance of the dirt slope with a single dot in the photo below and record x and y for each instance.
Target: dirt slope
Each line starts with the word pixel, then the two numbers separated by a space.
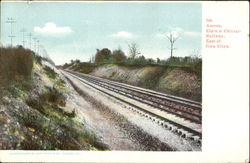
pixel 174 81
pixel 44 114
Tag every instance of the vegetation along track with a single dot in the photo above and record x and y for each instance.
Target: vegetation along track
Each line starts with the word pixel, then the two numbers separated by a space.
pixel 189 110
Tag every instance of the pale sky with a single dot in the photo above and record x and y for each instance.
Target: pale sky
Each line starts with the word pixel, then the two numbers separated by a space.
pixel 74 30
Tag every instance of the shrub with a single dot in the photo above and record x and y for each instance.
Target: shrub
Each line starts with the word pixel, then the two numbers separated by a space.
pixel 85 67
pixel 60 83
pixel 54 96
pixel 190 64
pixel 50 103
pixel 50 72
pixel 38 59
pixel 16 64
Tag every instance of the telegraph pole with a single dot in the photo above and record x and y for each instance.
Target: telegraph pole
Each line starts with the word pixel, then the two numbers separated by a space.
pixel 34 39
pixel 23 31
pixel 37 47
pixel 11 21
pixel 41 50
pixel 30 39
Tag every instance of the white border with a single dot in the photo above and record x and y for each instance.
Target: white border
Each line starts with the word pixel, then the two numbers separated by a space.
pixel 225 102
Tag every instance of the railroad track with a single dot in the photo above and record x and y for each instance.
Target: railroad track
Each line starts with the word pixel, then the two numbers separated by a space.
pixel 188 110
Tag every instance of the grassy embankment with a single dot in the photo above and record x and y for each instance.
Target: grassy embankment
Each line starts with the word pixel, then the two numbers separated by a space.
pixel 188 64
pixel 59 128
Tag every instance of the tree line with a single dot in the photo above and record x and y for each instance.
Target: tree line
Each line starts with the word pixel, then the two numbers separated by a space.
pixel 106 56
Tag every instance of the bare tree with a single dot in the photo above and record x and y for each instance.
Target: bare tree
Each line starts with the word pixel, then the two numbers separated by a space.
pixel 133 50
pixel 172 40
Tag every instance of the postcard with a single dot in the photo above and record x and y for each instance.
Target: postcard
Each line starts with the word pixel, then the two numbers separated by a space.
pixel 124 81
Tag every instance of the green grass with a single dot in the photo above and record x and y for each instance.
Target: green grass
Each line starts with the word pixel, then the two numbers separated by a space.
pixel 50 72
pixel 60 84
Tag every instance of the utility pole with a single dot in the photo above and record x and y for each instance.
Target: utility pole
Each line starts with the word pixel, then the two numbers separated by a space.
pixel 30 39
pixel 23 31
pixel 41 50
pixel 34 39
pixel 11 21
pixel 37 47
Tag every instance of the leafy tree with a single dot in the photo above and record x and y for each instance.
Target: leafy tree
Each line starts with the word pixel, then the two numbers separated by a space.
pixel 158 60
pixel 142 60
pixel 102 56
pixel 150 60
pixel 119 55
pixel 77 61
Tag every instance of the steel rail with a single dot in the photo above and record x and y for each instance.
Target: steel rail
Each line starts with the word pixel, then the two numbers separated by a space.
pixel 157 94
pixel 182 113
pixel 190 130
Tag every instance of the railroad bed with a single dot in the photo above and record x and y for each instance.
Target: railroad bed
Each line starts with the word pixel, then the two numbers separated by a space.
pixel 182 116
